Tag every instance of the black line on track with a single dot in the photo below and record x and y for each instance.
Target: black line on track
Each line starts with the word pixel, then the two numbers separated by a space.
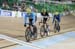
pixel 8 46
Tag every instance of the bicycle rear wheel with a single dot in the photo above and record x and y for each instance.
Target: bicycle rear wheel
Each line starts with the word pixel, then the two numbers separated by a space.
pixel 55 26
pixel 58 28
pixel 35 32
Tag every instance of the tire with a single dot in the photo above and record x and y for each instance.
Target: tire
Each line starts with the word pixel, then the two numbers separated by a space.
pixel 35 36
pixel 55 27
pixel 35 32
pixel 42 32
pixel 58 28
pixel 27 35
pixel 55 30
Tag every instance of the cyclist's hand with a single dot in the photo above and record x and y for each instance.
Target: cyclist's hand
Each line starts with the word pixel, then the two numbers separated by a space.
pixel 24 25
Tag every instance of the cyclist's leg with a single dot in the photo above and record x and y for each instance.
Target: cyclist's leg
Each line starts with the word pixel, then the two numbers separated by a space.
pixel 30 22
pixel 58 27
pixel 32 27
pixel 45 20
pixel 46 29
pixel 55 25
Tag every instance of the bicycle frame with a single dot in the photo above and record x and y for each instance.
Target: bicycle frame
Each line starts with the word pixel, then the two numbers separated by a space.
pixel 56 26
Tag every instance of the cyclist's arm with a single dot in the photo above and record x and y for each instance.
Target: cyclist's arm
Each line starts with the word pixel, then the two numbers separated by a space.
pixel 41 14
pixel 53 19
pixel 59 17
pixel 35 17
pixel 48 15
pixel 25 18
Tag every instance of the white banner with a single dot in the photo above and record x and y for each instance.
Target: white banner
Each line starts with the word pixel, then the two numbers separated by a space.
pixel 7 13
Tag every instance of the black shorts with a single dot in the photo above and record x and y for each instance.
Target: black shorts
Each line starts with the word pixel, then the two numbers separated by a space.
pixel 30 21
pixel 44 20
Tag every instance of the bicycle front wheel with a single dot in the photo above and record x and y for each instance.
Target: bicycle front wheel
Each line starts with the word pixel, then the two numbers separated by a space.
pixel 28 35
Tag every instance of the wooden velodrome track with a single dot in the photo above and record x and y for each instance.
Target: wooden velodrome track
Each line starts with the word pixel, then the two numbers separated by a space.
pixel 13 27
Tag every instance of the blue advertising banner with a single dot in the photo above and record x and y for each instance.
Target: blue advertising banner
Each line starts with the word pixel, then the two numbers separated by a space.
pixel 23 14
pixel 5 13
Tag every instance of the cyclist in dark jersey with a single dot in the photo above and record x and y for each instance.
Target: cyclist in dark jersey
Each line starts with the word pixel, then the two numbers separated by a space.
pixel 44 29
pixel 45 15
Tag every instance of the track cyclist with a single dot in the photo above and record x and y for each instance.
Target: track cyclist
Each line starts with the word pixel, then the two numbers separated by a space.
pixel 56 21
pixel 44 27
pixel 31 29
pixel 45 16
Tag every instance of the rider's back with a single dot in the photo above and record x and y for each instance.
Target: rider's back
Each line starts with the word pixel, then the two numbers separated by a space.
pixel 57 17
pixel 30 15
pixel 44 14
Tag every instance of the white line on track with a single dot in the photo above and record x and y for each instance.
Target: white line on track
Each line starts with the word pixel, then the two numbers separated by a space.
pixel 19 41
